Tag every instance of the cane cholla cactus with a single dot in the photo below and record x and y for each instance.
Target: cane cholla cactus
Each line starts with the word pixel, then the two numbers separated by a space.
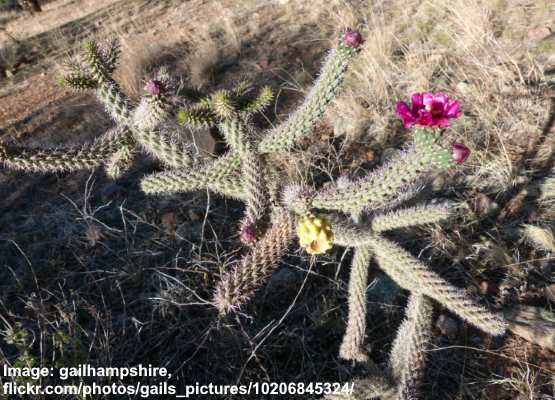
pixel 137 127
pixel 244 173
pixel 402 379
pixel 373 198
pixel 408 355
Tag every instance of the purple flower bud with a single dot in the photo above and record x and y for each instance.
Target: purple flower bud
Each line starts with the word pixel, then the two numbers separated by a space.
pixel 352 38
pixel 247 234
pixel 153 87
pixel 460 153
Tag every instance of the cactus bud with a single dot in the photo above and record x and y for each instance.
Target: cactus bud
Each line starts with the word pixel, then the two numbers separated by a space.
pixel 153 87
pixel 247 233
pixel 315 234
pixel 352 38
pixel 460 153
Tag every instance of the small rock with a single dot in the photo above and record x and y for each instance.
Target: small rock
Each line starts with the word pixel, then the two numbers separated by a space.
pixel 94 234
pixel 448 326
pixel 534 324
pixel 539 33
pixel 550 292
pixel 193 215
pixel 169 222
pixel 281 281
pixel 484 286
pixel 203 140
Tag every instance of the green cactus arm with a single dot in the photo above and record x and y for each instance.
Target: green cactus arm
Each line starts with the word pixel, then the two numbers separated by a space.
pixel 348 234
pixel 412 275
pixel 114 101
pixel 97 64
pixel 352 346
pixel 388 184
pixel 196 117
pixel 302 121
pixel 109 52
pixel 161 148
pixel 408 356
pixel 108 92
pixel 239 285
pixel 255 188
pixel 147 116
pixel 120 161
pixel 418 215
pixel 242 88
pixel 237 134
pixel 262 100
pixel 216 176
pixel 88 156
pixel 377 384
pixel 79 81
pixel 223 104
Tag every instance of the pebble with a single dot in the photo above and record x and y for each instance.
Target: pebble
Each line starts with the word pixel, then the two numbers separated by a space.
pixel 539 33
pixel 448 326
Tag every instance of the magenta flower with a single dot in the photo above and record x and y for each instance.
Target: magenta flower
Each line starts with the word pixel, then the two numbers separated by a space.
pixel 352 38
pixel 247 233
pixel 429 109
pixel 460 153
pixel 153 87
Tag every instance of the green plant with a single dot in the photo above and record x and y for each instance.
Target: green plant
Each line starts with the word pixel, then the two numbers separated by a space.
pixel 352 213
pixel 136 128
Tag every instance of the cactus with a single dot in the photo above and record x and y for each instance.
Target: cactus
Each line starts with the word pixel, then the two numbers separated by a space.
pixel 408 355
pixel 244 173
pixel 277 208
pixel 135 128
pixel 353 340
pixel 89 156
pixel 239 284
pixel 380 188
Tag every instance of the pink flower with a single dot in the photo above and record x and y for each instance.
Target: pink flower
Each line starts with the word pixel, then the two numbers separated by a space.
pixel 153 87
pixel 247 233
pixel 352 38
pixel 429 109
pixel 460 153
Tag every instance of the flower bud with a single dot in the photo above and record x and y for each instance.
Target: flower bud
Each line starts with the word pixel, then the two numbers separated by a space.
pixel 460 153
pixel 352 38
pixel 247 233
pixel 153 87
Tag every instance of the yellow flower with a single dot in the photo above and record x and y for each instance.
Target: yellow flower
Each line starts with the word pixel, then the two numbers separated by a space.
pixel 315 234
